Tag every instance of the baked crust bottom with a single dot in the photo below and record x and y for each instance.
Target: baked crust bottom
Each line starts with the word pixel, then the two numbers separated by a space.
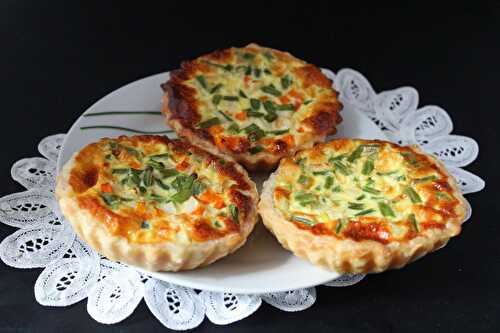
pixel 165 256
pixel 349 256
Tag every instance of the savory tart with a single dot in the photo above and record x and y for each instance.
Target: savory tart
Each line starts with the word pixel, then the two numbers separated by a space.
pixel 255 104
pixel 359 206
pixel 160 204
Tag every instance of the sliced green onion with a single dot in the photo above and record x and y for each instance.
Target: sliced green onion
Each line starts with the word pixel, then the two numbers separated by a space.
pixel 155 197
pixel 340 224
pixel 147 177
pixel 268 56
pixel 145 225
pixel 342 168
pixel 156 165
pixel 414 197
pixel 161 184
pixel 110 199
pixel 425 179
pixel 270 117
pixel 242 94
pixel 166 173
pixel 225 116
pixel 234 128
pixel 303 220
pixel 302 179
pixel 216 99
pixel 336 158
pixel 209 123
pixel 255 103
pixel 279 132
pixel 385 209
pixel 285 82
pixel 370 190
pixel 231 98
pixel 216 88
pixel 256 149
pixel 322 172
pixel 387 173
pixel 355 154
pixel 337 189
pixel 355 206
pixel 368 167
pixel 285 107
pixel 308 101
pixel 254 132
pixel 248 56
pixel 443 196
pixel 410 158
pixel 269 106
pixel 271 90
pixel 414 222
pixel 328 182
pixel 253 113
pixel 233 210
pixel 365 212
pixel 202 81
pixel 256 72
pixel 361 197
pixel 120 171
pixel 198 187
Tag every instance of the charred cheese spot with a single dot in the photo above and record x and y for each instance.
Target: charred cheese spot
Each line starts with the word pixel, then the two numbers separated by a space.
pixel 150 189
pixel 365 190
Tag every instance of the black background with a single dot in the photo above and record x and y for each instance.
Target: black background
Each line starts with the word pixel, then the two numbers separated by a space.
pixel 57 60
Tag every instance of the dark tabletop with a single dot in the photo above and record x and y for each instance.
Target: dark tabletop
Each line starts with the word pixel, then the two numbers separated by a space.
pixel 57 60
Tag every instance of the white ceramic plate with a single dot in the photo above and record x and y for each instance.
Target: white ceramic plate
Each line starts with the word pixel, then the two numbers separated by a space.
pixel 260 266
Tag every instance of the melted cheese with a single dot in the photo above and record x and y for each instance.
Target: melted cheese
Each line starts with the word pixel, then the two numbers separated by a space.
pixel 149 192
pixel 364 189
pixel 258 96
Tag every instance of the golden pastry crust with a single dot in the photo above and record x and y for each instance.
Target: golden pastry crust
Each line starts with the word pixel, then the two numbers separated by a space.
pixel 385 227
pixel 159 204
pixel 254 104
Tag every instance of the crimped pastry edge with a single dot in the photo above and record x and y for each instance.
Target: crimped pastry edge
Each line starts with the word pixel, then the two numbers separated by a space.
pixel 166 256
pixel 349 256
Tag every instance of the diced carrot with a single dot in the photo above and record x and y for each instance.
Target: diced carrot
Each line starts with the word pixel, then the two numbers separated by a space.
pixel 295 94
pixel 212 198
pixel 241 116
pixel 199 211
pixel 214 130
pixel 289 140
pixel 280 192
pixel 182 166
pixel 140 208
pixel 247 80
pixel 267 141
pixel 135 165
pixel 232 142
pixel 300 129
pixel 284 100
pixel 106 188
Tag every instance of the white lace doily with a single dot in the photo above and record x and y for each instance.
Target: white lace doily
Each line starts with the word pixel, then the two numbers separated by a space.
pixel 73 271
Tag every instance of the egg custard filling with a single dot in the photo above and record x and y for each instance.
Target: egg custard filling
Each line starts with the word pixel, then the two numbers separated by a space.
pixel 252 100
pixel 365 190
pixel 151 189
